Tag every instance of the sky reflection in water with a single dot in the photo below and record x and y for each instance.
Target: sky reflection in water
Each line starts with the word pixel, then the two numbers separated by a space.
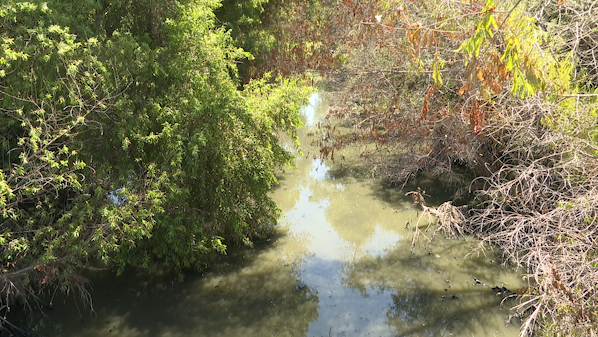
pixel 340 265
pixel 358 262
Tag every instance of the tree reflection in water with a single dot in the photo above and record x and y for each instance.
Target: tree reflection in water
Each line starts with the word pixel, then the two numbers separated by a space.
pixel 433 291
pixel 251 292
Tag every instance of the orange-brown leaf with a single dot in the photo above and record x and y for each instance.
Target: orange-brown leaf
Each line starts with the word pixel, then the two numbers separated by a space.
pixel 480 75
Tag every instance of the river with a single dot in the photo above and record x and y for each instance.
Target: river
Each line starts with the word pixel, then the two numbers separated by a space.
pixel 340 264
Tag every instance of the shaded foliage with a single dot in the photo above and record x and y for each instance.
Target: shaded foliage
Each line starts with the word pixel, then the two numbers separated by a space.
pixel 125 140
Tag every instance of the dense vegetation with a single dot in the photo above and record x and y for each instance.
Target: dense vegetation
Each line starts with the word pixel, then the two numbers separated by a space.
pixel 506 90
pixel 126 141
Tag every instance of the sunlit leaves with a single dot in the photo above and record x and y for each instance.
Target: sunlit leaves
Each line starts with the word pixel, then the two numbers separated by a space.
pixel 126 140
pixel 483 31
pixel 436 67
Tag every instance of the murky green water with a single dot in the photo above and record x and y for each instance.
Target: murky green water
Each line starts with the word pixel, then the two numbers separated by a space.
pixel 340 266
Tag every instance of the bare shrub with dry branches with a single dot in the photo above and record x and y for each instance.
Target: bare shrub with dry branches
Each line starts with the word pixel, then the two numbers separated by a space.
pixel 520 112
pixel 503 88
pixel 403 87
pixel 575 23
pixel 541 208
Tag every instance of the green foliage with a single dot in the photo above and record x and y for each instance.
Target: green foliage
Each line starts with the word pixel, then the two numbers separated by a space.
pixel 53 86
pixel 241 17
pixel 483 32
pixel 125 139
pixel 244 20
pixel 519 43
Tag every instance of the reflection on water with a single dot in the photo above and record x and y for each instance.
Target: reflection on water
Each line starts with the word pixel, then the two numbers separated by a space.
pixel 340 265
pixel 309 112
pixel 358 260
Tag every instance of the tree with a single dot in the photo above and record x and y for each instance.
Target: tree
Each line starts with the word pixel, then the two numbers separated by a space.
pixel 127 141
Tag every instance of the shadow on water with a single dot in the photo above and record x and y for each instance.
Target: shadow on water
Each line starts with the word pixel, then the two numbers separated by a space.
pixel 436 190
pixel 433 292
pixel 241 296
pixel 339 264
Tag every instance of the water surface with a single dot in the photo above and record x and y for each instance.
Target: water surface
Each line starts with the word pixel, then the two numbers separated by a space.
pixel 340 264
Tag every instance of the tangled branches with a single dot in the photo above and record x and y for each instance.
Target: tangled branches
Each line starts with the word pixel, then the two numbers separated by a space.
pixel 26 287
pixel 541 208
pixel 575 23
pixel 505 89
